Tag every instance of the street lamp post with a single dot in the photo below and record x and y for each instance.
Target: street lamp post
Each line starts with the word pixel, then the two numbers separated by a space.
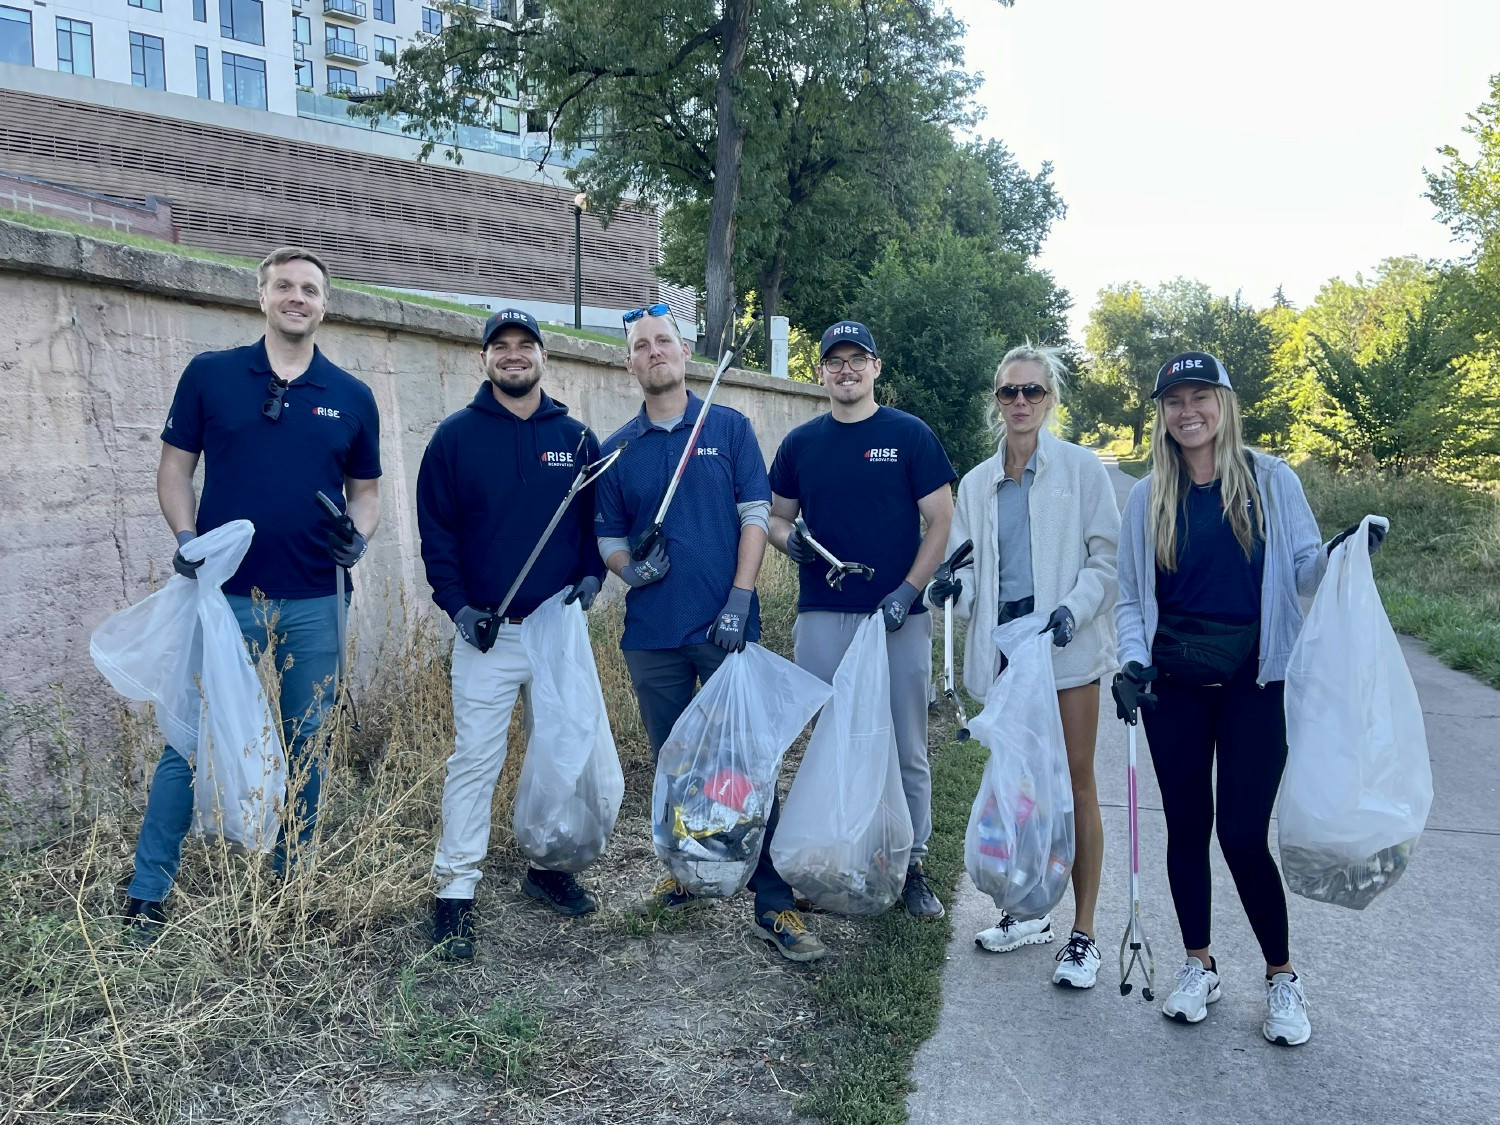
pixel 580 205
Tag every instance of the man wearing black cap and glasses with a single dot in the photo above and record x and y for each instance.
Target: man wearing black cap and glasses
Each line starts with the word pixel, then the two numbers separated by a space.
pixel 866 477
pixel 491 479
pixel 275 423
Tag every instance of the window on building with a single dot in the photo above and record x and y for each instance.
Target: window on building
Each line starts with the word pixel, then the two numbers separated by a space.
pixel 15 36
pixel 205 86
pixel 75 46
pixel 148 65
pixel 384 45
pixel 384 84
pixel 432 21
pixel 244 80
pixel 385 11
pixel 509 119
pixel 305 74
pixel 341 79
pixel 301 29
pixel 200 10
pixel 148 5
pixel 242 20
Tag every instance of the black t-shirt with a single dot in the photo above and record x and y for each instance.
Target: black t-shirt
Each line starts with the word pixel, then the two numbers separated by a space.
pixel 1213 580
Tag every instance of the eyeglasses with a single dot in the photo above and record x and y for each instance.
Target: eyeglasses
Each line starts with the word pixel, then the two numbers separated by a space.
pixel 650 310
pixel 854 363
pixel 1033 392
pixel 271 408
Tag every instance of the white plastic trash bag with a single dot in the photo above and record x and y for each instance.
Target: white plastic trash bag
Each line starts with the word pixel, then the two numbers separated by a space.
pixel 1358 783
pixel 571 783
pixel 716 774
pixel 845 834
pixel 1019 846
pixel 181 649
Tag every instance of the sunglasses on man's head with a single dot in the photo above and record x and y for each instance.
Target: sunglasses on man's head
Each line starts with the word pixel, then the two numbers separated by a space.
pixel 650 310
pixel 1033 392
pixel 271 408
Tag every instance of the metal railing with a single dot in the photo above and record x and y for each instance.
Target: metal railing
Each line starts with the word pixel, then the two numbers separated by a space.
pixel 349 9
pixel 346 49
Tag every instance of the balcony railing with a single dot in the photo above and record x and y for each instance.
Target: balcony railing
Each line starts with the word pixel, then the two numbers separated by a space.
pixel 344 90
pixel 299 52
pixel 352 10
pixel 346 49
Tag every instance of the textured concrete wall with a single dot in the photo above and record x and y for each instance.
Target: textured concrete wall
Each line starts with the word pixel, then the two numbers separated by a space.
pixel 100 333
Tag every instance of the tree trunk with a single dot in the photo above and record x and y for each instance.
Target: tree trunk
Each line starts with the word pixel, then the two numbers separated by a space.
pixel 718 282
pixel 770 283
pixel 1138 427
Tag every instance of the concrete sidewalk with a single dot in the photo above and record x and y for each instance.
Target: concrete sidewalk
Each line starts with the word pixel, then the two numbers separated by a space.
pixel 1403 996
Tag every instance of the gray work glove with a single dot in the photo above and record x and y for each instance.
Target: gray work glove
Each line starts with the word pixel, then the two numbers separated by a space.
pixel 1132 690
pixel 897 604
pixel 477 626
pixel 346 552
pixel 1377 537
pixel 798 550
pixel 185 567
pixel 1060 625
pixel 584 592
pixel 728 629
pixel 652 568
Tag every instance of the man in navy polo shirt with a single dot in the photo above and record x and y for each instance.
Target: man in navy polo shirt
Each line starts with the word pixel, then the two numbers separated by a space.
pixel 865 478
pixel 692 600
pixel 491 479
pixel 274 423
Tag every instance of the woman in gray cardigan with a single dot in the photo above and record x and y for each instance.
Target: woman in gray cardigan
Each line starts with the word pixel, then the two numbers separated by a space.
pixel 1045 525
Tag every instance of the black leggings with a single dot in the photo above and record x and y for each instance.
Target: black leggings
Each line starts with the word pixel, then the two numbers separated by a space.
pixel 1246 724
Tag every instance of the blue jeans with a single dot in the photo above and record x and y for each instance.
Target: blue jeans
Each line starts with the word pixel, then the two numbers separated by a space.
pixel 306 634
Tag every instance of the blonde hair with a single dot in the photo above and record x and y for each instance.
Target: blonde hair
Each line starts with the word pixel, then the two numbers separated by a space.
pixel 670 318
pixel 1169 481
pixel 284 254
pixel 1055 374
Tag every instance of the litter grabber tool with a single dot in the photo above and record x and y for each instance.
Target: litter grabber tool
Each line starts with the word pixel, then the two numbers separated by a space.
pixel 1135 942
pixel 344 525
pixel 587 474
pixel 652 534
pixel 838 570
pixel 962 556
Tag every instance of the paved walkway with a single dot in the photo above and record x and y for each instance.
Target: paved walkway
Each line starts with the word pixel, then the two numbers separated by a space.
pixel 1404 998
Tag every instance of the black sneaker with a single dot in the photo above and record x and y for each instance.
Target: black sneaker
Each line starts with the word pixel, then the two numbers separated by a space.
pixel 453 928
pixel 144 922
pixel 559 890
pixel 918 898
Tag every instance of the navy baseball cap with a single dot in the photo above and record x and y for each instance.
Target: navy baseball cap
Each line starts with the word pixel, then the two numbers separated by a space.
pixel 507 317
pixel 1191 367
pixel 847 332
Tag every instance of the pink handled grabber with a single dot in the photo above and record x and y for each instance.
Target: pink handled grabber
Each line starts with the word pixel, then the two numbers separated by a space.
pixel 1135 941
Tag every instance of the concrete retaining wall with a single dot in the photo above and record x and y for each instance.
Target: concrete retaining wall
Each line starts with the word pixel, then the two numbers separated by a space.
pixel 100 333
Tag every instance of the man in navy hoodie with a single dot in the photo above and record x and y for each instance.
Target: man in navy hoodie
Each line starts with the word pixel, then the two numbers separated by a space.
pixel 492 476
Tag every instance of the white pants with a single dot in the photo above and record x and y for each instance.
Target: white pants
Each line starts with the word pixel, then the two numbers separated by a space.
pixel 485 686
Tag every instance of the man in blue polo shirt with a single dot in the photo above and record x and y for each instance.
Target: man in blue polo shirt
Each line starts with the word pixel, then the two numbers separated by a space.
pixel 865 478
pixel 274 423
pixel 491 479
pixel 691 600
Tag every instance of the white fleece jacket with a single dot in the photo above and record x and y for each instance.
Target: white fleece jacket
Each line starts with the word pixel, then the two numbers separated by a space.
pixel 1075 534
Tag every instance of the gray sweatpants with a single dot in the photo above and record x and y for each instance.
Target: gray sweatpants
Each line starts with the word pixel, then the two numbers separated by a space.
pixel 822 637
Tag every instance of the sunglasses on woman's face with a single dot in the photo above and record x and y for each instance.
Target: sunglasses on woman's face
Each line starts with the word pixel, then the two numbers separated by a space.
pixel 1033 392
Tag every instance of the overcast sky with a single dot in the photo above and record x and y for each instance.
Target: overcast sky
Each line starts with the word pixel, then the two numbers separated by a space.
pixel 1247 145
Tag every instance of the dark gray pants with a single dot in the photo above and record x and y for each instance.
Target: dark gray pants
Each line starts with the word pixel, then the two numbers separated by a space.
pixel 664 682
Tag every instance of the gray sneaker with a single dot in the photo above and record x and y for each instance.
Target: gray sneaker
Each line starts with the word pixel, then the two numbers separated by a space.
pixel 918 898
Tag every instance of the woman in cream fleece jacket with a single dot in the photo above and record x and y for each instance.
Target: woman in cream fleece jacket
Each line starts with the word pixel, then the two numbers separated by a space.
pixel 1045 525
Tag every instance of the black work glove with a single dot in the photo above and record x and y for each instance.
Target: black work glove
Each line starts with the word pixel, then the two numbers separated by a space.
pixel 1060 625
pixel 1131 690
pixel 944 585
pixel 584 592
pixel 728 629
pixel 477 626
pixel 897 604
pixel 652 568
pixel 346 552
pixel 185 567
pixel 1377 536
pixel 798 550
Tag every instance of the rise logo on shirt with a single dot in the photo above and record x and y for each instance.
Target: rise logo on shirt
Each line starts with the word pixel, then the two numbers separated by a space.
pixel 706 451
pixel 878 455
pixel 560 459
pixel 325 412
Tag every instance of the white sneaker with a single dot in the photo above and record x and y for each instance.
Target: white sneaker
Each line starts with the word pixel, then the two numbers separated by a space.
pixel 1196 989
pixel 1010 934
pixel 1286 1011
pixel 1077 962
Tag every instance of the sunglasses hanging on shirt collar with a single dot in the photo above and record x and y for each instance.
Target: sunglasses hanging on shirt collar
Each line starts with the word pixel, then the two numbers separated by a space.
pixel 271 408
